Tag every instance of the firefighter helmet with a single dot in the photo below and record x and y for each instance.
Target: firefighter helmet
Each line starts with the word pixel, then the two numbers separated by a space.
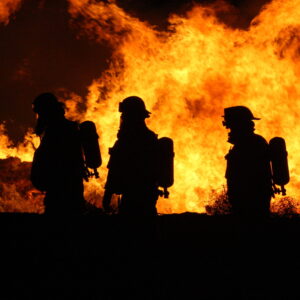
pixel 237 114
pixel 47 103
pixel 134 106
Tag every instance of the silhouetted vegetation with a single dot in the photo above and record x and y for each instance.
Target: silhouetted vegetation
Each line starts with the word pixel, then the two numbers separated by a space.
pixel 284 207
pixel 219 204
pixel 280 207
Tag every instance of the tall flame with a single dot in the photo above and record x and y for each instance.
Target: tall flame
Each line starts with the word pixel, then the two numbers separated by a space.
pixel 186 76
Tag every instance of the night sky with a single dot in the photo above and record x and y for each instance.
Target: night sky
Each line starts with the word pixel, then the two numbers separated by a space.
pixel 41 50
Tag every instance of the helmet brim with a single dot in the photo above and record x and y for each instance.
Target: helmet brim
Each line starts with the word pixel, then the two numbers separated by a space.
pixel 251 118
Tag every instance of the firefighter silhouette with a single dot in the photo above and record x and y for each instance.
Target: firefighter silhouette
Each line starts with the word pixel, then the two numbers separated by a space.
pixel 133 162
pixel 248 173
pixel 58 165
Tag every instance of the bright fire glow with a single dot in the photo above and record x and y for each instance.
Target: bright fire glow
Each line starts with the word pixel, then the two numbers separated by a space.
pixel 186 76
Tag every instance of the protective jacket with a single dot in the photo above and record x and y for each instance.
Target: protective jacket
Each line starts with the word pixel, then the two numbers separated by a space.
pixel 248 174
pixel 133 170
pixel 57 167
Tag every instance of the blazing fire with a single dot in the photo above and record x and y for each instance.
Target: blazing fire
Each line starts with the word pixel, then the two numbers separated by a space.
pixel 186 76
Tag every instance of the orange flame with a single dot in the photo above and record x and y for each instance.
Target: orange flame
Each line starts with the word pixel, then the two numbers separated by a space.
pixel 187 75
pixel 7 8
pixel 16 191
pixel 24 151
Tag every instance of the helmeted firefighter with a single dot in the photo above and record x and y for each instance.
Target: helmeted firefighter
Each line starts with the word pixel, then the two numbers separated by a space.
pixel 58 163
pixel 134 162
pixel 248 173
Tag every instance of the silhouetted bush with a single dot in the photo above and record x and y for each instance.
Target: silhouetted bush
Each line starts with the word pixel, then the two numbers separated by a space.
pixel 219 204
pixel 284 207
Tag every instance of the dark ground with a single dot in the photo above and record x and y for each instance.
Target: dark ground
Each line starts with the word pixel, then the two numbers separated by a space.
pixel 186 256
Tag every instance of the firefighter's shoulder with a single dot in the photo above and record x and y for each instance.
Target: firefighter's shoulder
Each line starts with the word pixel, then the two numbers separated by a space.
pixel 259 142
pixel 68 127
pixel 72 125
pixel 151 134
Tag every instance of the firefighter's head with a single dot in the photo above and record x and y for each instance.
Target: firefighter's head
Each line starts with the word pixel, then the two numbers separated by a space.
pixel 133 107
pixel 239 119
pixel 237 116
pixel 46 105
pixel 49 111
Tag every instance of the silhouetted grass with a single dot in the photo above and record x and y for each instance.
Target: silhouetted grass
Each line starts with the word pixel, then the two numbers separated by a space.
pixel 219 205
pixel 284 207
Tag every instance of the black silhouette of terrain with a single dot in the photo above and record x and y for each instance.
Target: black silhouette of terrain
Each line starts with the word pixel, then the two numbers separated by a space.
pixel 180 256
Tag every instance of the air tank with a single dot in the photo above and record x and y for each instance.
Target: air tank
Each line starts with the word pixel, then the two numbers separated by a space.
pixel 165 163
pixel 90 145
pixel 279 161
